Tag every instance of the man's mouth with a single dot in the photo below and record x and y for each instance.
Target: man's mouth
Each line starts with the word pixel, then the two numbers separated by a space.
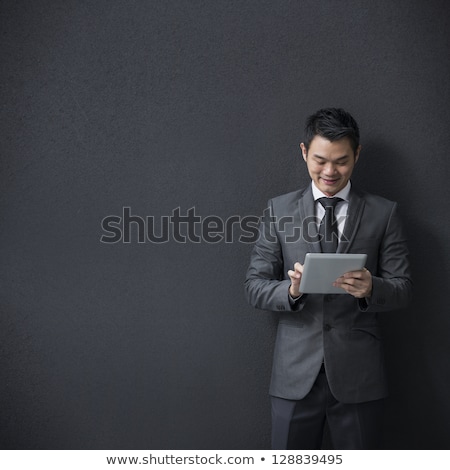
pixel 329 181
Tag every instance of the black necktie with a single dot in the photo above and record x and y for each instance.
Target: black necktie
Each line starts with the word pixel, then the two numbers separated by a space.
pixel 328 227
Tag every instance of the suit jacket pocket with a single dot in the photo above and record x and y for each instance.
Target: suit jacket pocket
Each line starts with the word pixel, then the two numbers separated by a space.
pixel 374 330
pixel 289 331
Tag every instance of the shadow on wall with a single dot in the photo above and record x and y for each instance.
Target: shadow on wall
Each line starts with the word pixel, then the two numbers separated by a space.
pixel 417 353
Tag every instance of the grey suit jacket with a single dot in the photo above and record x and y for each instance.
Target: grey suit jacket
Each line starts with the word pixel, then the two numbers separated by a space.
pixel 338 329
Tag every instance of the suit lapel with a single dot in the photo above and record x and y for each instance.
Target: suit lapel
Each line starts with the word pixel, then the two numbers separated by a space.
pixel 355 210
pixel 308 220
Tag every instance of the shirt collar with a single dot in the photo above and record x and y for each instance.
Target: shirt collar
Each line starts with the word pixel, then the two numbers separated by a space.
pixel 343 193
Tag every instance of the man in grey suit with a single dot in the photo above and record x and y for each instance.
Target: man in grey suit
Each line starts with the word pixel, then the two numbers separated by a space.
pixel 328 365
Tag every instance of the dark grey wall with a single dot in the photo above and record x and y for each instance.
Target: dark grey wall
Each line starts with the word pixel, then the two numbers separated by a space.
pixel 156 105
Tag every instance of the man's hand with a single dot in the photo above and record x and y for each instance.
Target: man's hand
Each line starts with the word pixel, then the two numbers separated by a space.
pixel 295 276
pixel 356 283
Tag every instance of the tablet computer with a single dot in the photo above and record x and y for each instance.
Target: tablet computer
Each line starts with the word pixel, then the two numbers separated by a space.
pixel 320 270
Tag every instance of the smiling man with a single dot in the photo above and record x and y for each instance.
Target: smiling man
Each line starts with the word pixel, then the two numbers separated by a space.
pixel 328 365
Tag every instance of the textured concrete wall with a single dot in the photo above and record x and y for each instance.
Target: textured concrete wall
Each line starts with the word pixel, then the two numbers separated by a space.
pixel 166 104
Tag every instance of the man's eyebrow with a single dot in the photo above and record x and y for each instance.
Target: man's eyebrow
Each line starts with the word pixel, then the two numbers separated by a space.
pixel 319 157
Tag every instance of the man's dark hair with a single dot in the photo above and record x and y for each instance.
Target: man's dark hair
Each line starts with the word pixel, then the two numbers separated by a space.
pixel 332 124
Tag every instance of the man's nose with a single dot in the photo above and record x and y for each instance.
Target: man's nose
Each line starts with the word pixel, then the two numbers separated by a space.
pixel 330 168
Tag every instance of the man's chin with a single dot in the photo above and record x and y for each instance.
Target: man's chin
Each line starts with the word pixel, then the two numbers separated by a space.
pixel 330 190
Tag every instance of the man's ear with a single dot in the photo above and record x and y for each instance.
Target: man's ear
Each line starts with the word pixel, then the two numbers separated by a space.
pixel 304 151
pixel 358 150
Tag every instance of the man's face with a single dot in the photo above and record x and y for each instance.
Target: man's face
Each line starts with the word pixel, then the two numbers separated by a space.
pixel 330 164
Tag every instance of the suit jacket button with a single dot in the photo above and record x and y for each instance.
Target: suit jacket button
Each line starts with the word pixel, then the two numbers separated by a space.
pixel 327 327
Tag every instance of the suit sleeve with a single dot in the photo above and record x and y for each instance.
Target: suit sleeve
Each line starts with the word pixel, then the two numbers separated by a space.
pixel 392 285
pixel 267 284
